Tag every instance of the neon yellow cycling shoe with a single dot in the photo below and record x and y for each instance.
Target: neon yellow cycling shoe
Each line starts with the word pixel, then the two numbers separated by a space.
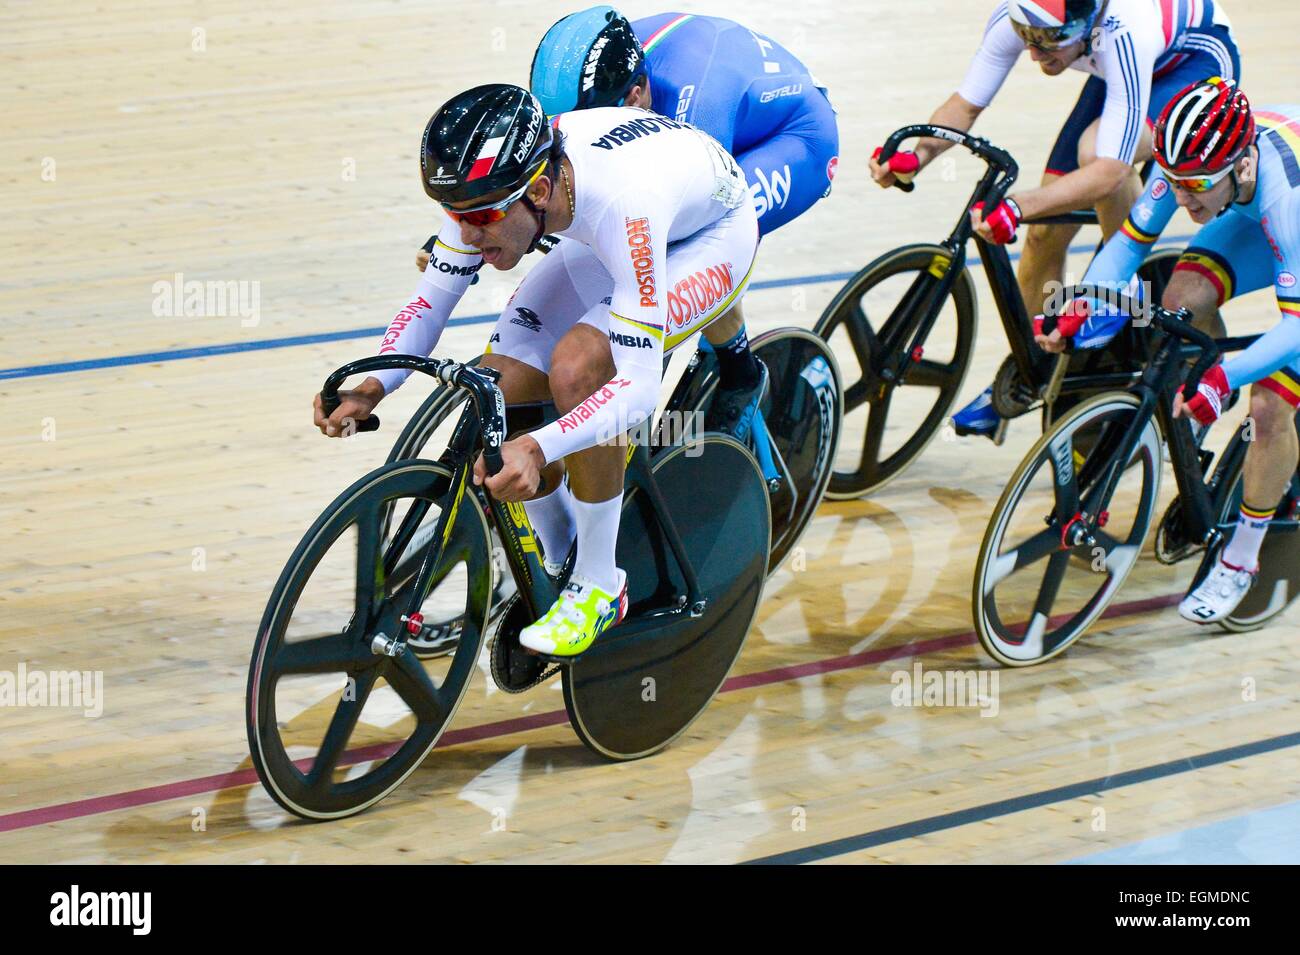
pixel 579 615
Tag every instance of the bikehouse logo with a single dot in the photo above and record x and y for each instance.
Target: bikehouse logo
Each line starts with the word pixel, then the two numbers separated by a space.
pixel 103 908
pixel 977 689
pixel 194 299
pixel 70 689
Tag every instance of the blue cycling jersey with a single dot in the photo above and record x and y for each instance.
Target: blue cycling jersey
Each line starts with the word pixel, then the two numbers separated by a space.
pixel 1252 245
pixel 754 97
pixel 737 85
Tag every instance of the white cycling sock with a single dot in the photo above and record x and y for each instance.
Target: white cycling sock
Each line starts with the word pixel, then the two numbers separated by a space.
pixel 553 522
pixel 597 540
pixel 1243 550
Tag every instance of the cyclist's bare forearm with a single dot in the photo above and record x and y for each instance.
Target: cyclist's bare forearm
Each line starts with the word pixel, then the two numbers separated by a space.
pixel 955 113
pixel 1080 189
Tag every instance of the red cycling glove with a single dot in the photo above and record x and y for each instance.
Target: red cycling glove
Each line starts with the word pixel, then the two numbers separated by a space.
pixel 904 165
pixel 1071 319
pixel 1207 404
pixel 1003 220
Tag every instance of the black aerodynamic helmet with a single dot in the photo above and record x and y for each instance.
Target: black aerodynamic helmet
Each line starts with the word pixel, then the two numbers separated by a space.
pixel 592 58
pixel 490 138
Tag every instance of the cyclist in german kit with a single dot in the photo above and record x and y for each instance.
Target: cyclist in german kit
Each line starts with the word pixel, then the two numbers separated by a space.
pixel 1237 173
pixel 658 241
pixel 1139 53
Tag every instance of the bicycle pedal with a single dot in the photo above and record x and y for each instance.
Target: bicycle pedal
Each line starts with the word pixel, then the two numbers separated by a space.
pixel 1000 432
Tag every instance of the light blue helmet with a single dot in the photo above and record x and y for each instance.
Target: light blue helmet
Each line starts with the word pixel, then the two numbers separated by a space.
pixel 587 59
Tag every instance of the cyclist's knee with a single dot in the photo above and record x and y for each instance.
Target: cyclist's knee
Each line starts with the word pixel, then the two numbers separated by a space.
pixel 1189 290
pixel 519 382
pixel 580 364
pixel 1271 414
pixel 1047 240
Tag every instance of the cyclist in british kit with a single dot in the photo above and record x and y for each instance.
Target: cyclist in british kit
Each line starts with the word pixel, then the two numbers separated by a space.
pixel 658 240
pixel 1237 173
pixel 1138 52
pixel 742 88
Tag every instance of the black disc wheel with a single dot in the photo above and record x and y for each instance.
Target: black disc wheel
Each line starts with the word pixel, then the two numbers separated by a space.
pixel 645 681
pixel 339 710
pixel 888 424
pixel 803 412
pixel 1040 582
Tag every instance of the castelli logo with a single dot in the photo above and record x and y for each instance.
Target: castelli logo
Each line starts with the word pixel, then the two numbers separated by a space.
pixel 1160 189
pixel 1286 280
pixel 831 167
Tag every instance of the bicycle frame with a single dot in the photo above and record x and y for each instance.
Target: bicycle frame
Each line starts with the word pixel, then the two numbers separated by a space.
pixel 1202 501
pixel 903 334
pixel 482 425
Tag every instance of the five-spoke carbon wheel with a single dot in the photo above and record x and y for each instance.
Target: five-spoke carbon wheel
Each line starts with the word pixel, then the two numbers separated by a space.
pixel 339 710
pixel 888 424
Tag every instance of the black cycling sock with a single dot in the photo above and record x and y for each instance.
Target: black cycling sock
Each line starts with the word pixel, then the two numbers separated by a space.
pixel 737 366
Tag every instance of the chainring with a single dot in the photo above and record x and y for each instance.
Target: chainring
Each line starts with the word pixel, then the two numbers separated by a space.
pixel 514 669
pixel 1012 395
pixel 1171 543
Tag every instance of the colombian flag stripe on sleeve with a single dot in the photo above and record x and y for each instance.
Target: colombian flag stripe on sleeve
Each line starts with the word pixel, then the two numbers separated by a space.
pixel 657 331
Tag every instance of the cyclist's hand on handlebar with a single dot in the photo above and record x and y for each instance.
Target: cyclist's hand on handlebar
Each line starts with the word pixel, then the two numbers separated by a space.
pixel 355 405
pixel 1207 404
pixel 1068 323
pixel 999 226
pixel 520 474
pixel 902 166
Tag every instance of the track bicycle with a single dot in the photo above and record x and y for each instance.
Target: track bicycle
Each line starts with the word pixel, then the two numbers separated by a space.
pixel 1071 522
pixel 340 711
pixel 904 330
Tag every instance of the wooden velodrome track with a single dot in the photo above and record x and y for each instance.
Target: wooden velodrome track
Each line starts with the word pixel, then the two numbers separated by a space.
pixel 148 505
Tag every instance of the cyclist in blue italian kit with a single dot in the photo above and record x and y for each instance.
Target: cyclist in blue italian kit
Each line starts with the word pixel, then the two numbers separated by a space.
pixel 1237 173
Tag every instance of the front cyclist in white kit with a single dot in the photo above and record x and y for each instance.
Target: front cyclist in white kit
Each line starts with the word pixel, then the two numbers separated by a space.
pixel 663 242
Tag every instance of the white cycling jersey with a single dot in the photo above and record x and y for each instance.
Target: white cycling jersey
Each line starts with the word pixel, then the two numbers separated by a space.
pixel 642 183
pixel 1133 41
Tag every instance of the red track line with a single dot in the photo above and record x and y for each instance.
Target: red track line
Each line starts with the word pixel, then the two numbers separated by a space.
pixel 133 798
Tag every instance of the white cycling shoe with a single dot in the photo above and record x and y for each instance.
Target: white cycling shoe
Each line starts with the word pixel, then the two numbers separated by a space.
pixel 1219 594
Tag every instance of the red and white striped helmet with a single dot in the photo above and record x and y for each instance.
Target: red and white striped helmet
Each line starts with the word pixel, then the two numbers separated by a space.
pixel 1052 23
pixel 1205 127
